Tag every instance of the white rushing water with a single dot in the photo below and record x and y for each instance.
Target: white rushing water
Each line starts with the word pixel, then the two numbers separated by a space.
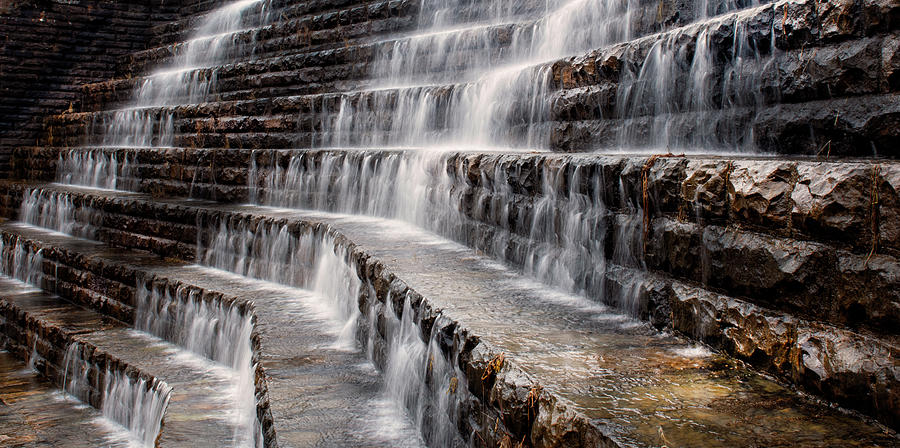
pixel 136 403
pixel 417 373
pixel 215 330
pixel 185 80
pixel 479 75
pixel 96 168
pixel 148 120
pixel 559 237
pixel 20 261
pixel 56 210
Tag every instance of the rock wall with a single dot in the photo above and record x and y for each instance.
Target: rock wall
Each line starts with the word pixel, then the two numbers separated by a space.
pixel 50 48
pixel 798 300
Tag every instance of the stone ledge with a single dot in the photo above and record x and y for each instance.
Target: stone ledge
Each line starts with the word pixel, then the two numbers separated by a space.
pixel 27 332
pixel 746 331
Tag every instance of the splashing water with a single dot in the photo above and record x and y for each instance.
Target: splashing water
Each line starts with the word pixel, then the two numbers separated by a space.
pixel 149 119
pixel 476 76
pixel 138 404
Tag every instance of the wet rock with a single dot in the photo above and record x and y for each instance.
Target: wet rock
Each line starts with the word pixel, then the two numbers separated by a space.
pixel 704 188
pixel 889 209
pixel 664 183
pixel 516 394
pixel 839 364
pixel 835 201
pixel 558 425
pixel 760 191
pixel 852 370
pixel 890 60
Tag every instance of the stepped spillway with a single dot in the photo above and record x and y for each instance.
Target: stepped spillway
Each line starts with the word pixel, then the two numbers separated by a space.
pixel 457 223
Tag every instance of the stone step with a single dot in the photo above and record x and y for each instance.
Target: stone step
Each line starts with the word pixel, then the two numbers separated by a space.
pixel 36 414
pixel 573 122
pixel 289 35
pixel 582 357
pixel 195 408
pixel 827 128
pixel 584 117
pixel 532 326
pixel 843 128
pixel 175 31
pixel 730 191
pixel 303 68
pixel 316 391
pixel 737 326
pixel 271 42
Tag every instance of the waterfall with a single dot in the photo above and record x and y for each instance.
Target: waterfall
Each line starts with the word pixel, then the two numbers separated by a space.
pixel 149 119
pixel 56 210
pixel 190 78
pixel 95 168
pixel 475 76
pixel 682 99
pixel 420 376
pixel 208 327
pixel 417 373
pixel 136 403
pixel 20 261
pixel 218 331
pixel 558 234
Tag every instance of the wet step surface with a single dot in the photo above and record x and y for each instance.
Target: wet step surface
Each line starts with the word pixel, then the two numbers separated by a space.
pixel 322 390
pixel 35 414
pixel 644 388
pixel 641 387
pixel 203 408
pixel 199 408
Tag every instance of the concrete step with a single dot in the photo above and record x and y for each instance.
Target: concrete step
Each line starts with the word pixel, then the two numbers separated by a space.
pixel 36 414
pixel 312 390
pixel 509 333
pixel 197 407
pixel 728 323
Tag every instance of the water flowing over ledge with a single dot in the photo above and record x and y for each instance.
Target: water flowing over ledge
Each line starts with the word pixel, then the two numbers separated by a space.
pixel 138 404
pixel 417 375
pixel 414 252
pixel 133 400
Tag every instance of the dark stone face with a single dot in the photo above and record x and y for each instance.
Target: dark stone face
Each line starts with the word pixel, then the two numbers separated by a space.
pixel 785 261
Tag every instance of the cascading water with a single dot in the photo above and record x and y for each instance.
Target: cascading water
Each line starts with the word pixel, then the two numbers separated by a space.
pixel 149 120
pixel 21 262
pixel 218 331
pixel 682 99
pixel 559 235
pixel 474 76
pixel 95 168
pixel 271 252
pixel 418 375
pixel 57 211
pixel 135 403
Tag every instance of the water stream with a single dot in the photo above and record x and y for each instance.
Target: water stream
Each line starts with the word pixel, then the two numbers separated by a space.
pixel 136 403
pixel 474 77
pixel 149 119
pixel 133 402
pixel 55 210
pixel 559 236
pixel 210 328
pixel 416 372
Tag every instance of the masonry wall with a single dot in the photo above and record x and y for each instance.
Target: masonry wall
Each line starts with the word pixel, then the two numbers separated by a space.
pixel 49 48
